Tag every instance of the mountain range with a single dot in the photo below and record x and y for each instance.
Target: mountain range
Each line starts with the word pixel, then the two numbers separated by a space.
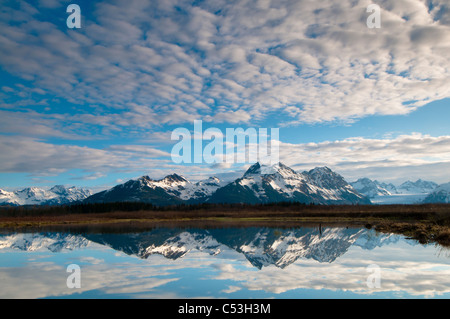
pixel 409 192
pixel 258 185
pixel 57 195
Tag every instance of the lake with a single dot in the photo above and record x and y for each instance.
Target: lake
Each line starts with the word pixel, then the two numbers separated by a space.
pixel 247 262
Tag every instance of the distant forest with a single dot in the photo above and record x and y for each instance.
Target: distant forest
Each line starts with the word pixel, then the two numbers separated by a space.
pixel 88 208
pixel 274 209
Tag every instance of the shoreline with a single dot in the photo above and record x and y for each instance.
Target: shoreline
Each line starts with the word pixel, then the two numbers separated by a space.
pixel 425 223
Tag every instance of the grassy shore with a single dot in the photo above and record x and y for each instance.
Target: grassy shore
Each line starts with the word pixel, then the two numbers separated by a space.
pixel 425 223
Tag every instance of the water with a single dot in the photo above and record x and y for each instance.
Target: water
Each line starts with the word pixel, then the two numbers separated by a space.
pixel 222 263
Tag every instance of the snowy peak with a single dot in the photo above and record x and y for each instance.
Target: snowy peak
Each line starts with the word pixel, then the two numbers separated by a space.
pixel 443 187
pixel 171 190
pixel 57 195
pixel 211 181
pixel 417 187
pixel 370 188
pixel 441 194
pixel 278 183
pixel 145 179
pixel 207 187
pixel 383 193
pixel 174 179
pixel 253 170
pixel 8 198
pixel 179 186
pixel 70 193
pixel 324 170
pixel 60 189
pixel 259 184
pixel 326 178
pixel 279 168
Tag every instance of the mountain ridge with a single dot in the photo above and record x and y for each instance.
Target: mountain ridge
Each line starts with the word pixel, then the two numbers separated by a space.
pixel 57 195
pixel 440 194
pixel 408 192
pixel 259 184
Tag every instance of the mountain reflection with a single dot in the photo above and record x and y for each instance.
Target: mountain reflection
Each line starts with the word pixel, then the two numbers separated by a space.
pixel 262 247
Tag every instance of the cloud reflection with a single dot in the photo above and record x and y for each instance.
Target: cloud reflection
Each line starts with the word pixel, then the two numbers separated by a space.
pixel 407 270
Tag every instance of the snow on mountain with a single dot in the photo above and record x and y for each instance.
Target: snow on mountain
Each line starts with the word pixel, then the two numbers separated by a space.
pixel 333 187
pixel 267 182
pixel 179 186
pixel 8 198
pixel 26 196
pixel 382 193
pixel 175 185
pixel 57 195
pixel 259 184
pixel 276 183
pixel 170 190
pixel 441 194
pixel 143 189
pixel 417 187
pixel 208 186
pixel 370 188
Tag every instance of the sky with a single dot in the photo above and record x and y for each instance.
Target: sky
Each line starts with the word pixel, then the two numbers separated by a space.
pixel 97 105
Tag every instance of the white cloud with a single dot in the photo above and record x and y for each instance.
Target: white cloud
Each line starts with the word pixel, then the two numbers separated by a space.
pixel 316 57
pixel 391 159
pixel 28 155
pixel 136 67
pixel 394 159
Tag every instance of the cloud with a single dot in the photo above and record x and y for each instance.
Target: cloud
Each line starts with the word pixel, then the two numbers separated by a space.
pixel 34 124
pixel 28 155
pixel 315 61
pixel 136 68
pixel 143 150
pixel 407 276
pixel 392 159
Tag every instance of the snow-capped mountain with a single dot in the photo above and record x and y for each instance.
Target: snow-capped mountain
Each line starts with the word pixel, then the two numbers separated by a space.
pixel 417 187
pixel 140 190
pixel 170 190
pixel 56 195
pixel 406 193
pixel 179 186
pixel 371 188
pixel 333 186
pixel 259 184
pixel 441 194
pixel 277 183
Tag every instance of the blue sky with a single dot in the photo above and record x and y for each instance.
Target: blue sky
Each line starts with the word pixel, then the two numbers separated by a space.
pixel 95 106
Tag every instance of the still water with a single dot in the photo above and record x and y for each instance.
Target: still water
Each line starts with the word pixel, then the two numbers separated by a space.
pixel 222 263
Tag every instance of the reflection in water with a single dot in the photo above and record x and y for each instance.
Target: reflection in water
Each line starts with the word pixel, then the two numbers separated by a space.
pixel 229 262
